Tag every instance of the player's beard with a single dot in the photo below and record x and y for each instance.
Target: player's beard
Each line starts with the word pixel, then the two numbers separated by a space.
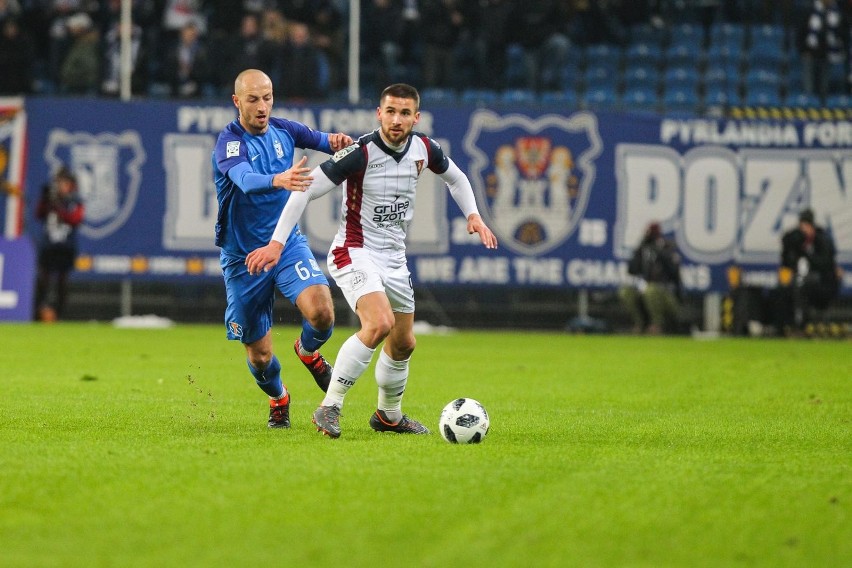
pixel 396 138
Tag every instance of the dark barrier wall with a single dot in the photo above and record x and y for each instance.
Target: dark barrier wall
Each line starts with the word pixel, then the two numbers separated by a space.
pixel 568 192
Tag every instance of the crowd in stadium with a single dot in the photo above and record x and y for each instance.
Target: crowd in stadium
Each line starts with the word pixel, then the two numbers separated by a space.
pixel 637 53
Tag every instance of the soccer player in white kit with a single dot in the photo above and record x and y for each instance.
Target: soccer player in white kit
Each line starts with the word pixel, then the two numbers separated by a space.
pixel 367 257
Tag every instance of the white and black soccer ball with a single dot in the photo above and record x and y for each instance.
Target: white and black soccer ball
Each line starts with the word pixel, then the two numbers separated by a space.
pixel 464 421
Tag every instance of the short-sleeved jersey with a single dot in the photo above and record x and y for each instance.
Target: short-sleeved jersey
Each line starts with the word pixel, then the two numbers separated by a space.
pixel 247 219
pixel 378 197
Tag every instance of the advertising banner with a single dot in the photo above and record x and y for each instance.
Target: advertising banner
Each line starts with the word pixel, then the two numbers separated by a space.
pixel 568 192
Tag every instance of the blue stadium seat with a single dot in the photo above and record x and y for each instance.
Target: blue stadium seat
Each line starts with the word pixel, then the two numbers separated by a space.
pixel 604 54
pixel 601 75
pixel 686 33
pixel 762 97
pixel 721 96
pixel 727 33
pixel 802 100
pixel 766 56
pixel 768 34
pixel 438 96
pixel 760 78
pixel 602 98
pixel 724 54
pixel 479 97
pixel 681 100
pixel 566 98
pixel 641 77
pixel 646 33
pixel 683 55
pixel 681 78
pixel 840 101
pixel 645 54
pixel 640 99
pixel 517 97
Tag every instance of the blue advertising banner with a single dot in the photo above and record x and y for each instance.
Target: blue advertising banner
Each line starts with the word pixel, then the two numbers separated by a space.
pixel 568 194
pixel 17 276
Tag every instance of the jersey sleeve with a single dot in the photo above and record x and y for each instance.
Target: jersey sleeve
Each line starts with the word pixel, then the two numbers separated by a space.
pixel 438 161
pixel 344 163
pixel 303 135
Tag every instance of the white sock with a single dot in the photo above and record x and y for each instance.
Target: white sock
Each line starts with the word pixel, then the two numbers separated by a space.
pixel 351 362
pixel 391 376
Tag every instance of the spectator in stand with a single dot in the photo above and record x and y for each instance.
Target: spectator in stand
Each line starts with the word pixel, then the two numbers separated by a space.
pixel 187 66
pixel 177 14
pixel 17 53
pixel 824 34
pixel 382 37
pixel 443 23
pixel 56 16
pixel 539 28
pixel 242 51
pixel 111 83
pixel 489 24
pixel 81 67
pixel 61 210
pixel 305 74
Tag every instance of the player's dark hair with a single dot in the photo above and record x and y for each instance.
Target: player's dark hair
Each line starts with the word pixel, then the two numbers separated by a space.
pixel 402 91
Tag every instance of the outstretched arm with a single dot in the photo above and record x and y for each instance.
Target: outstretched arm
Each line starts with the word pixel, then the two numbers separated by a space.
pixel 266 257
pixel 462 194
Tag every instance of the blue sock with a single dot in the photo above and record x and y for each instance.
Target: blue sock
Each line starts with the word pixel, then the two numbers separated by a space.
pixel 313 339
pixel 269 380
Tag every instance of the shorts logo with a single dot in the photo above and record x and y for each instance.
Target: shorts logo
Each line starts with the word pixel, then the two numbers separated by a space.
pixel 236 329
pixel 232 149
pixel 358 279
pixel 533 176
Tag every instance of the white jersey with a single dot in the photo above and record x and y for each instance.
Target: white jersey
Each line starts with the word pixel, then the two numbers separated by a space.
pixel 379 193
pixel 378 196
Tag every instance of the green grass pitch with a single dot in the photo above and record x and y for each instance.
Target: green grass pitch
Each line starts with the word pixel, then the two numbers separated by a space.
pixel 123 447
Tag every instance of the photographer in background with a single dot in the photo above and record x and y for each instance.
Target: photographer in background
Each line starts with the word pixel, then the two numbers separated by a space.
pixel 809 278
pixel 653 299
pixel 61 210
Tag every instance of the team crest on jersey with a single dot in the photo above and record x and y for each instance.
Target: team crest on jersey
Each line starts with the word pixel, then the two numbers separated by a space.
pixel 533 176
pixel 108 167
pixel 419 165
pixel 236 329
pixel 232 149
pixel 279 150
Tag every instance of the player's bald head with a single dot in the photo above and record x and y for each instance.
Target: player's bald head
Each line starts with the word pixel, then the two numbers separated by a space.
pixel 251 80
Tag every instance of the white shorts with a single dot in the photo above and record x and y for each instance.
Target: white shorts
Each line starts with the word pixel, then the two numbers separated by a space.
pixel 371 272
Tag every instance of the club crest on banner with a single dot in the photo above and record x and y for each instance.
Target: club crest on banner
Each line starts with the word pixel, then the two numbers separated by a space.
pixel 533 176
pixel 108 170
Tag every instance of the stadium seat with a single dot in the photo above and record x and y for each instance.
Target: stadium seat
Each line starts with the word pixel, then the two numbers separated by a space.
pixel 517 97
pixel 768 34
pixel 727 33
pixel 761 78
pixel 644 54
pixel 766 56
pixel 840 101
pixel 606 54
pixel 600 98
pixel 684 55
pixel 686 33
pixel 721 96
pixel 641 77
pixel 565 98
pixel 640 99
pixel 680 78
pixel 601 75
pixel 762 97
pixel 438 96
pixel 802 100
pixel 717 54
pixel 479 97
pixel 646 33
pixel 681 100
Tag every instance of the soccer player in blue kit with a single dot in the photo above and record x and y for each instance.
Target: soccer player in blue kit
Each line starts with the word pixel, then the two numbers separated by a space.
pixel 254 174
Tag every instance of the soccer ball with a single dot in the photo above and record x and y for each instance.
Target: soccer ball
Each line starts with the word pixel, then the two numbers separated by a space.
pixel 464 421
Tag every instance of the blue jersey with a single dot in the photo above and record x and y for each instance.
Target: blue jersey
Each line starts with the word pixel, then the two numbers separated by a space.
pixel 249 207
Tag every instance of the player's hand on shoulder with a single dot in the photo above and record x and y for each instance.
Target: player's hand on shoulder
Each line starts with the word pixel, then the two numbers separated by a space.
pixel 338 141
pixel 264 258
pixel 296 178
pixel 475 224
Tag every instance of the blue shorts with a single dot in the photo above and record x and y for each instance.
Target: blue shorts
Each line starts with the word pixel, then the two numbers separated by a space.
pixel 248 316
